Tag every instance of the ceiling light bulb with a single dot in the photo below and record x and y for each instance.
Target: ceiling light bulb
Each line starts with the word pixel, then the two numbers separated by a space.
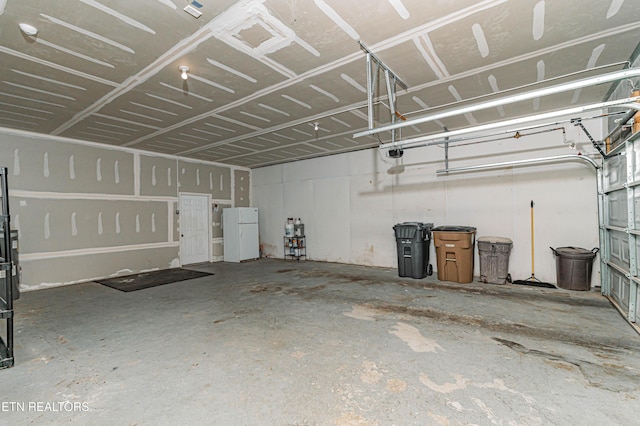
pixel 316 126
pixel 184 70
pixel 28 29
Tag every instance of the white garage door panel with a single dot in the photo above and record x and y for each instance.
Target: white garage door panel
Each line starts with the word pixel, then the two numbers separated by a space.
pixel 620 242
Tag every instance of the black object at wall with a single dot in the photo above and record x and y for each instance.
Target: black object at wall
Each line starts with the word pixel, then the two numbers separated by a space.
pixel 6 277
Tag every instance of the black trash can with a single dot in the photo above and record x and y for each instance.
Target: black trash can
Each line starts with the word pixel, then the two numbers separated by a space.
pixel 573 267
pixel 412 240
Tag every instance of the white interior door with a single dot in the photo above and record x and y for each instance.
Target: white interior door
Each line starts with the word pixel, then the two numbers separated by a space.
pixel 194 229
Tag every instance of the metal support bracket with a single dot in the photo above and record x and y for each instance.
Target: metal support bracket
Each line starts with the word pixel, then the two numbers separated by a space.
pixel 446 150
pixel 392 81
pixel 578 122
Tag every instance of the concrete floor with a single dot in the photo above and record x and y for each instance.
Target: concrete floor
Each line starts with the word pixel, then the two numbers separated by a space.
pixel 305 343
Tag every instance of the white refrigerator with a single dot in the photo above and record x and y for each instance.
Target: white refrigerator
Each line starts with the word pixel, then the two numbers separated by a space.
pixel 240 234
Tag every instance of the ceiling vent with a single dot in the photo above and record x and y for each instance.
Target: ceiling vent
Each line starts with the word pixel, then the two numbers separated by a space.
pixel 192 9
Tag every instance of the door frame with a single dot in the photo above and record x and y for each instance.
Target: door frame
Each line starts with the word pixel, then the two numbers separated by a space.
pixel 209 218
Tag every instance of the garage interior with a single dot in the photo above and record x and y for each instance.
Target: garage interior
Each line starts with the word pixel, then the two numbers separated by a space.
pixel 128 128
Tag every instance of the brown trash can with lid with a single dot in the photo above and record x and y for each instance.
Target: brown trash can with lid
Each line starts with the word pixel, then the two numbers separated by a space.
pixel 573 267
pixel 454 252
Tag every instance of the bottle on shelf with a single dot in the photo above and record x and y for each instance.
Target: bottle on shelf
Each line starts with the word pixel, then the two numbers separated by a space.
pixel 298 228
pixel 295 245
pixel 289 227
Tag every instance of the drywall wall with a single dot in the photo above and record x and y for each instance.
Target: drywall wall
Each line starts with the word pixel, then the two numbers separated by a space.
pixel 47 271
pixel 50 166
pixel 157 176
pixel 242 186
pixel 205 179
pixel 350 202
pixel 59 225
pixel 86 211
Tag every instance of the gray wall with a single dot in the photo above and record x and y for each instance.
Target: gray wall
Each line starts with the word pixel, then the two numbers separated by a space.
pixel 350 202
pixel 86 211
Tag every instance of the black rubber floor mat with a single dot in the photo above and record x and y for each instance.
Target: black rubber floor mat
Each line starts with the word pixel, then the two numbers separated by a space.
pixel 151 279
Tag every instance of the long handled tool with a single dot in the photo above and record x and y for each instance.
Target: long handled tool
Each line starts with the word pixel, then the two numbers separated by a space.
pixel 532 280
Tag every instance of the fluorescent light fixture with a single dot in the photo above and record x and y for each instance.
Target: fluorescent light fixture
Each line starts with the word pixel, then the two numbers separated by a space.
pixel 513 122
pixel 559 88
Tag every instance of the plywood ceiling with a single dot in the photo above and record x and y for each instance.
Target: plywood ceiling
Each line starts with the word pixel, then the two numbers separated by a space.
pixel 263 72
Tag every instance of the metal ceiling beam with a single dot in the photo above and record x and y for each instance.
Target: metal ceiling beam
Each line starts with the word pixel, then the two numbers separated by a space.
pixel 515 163
pixel 558 88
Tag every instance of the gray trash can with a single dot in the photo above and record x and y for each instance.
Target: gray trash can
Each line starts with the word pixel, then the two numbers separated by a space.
pixel 573 267
pixel 494 259
pixel 412 240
